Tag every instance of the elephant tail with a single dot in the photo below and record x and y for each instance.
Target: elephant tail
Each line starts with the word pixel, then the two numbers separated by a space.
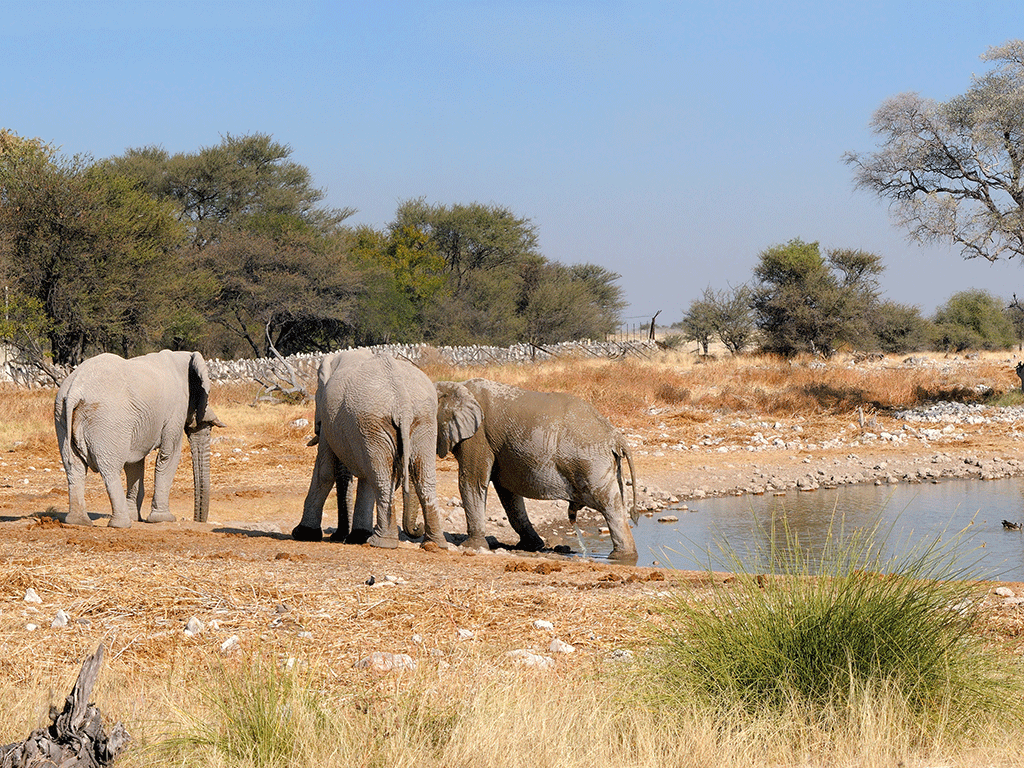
pixel 404 442
pixel 622 452
pixel 70 431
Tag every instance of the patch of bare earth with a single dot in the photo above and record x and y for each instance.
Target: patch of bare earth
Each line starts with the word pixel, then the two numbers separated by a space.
pixel 241 575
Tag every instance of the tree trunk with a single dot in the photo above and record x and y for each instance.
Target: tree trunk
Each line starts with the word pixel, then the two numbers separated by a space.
pixel 76 737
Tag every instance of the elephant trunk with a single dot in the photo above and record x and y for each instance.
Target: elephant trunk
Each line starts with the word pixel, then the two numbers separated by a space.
pixel 200 445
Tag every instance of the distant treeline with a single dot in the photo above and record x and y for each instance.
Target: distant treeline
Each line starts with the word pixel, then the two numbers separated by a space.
pixel 229 250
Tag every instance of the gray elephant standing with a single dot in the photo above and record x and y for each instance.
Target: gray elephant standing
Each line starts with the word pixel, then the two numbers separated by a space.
pixel 376 420
pixel 110 413
pixel 534 445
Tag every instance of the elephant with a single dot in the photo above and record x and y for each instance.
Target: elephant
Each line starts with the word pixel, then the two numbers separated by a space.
pixel 376 420
pixel 110 413
pixel 534 445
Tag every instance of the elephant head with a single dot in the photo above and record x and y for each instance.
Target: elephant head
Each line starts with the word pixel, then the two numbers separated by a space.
pixel 198 422
pixel 459 415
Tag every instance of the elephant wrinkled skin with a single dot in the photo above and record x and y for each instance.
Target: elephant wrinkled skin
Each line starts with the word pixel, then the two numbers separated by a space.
pixel 376 420
pixel 110 413
pixel 534 445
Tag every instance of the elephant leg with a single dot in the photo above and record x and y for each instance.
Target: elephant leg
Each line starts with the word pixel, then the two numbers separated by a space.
pixel 119 516
pixel 343 489
pixel 320 485
pixel 515 509
pixel 362 514
pixel 163 474
pixel 385 532
pixel 76 471
pixel 424 480
pixel 134 477
pixel 474 502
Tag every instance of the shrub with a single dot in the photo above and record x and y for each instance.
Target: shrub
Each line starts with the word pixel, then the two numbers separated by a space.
pixel 826 631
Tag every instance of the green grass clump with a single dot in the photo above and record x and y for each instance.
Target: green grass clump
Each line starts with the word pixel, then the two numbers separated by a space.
pixel 822 634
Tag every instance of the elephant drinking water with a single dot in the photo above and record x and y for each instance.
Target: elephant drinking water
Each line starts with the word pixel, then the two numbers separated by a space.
pixel 534 445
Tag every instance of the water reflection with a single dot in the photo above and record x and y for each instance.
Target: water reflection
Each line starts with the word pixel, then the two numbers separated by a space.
pixel 904 514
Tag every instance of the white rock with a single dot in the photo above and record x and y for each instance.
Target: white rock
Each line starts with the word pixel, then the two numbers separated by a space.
pixel 31 627
pixel 31 596
pixel 530 659
pixel 543 624
pixel 230 644
pixel 379 661
pixel 559 646
pixel 668 519
pixel 1004 592
pixel 60 620
pixel 193 627
pixel 299 423
pixel 466 634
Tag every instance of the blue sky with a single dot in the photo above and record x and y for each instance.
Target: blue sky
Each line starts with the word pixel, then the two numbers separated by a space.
pixel 670 142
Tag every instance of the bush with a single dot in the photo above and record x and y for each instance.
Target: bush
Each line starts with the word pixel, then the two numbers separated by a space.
pixel 973 319
pixel 823 633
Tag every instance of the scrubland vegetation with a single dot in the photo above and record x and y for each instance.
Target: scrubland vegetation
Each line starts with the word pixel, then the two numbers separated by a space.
pixel 843 667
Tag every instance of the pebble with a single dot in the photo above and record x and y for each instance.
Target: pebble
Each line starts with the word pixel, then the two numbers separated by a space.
pixel 193 627
pixel 381 661
pixel 230 644
pixel 31 596
pixel 559 646
pixel 60 620
pixel 530 659
pixel 543 624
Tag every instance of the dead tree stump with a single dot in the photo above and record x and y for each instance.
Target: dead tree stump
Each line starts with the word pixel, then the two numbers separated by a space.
pixel 76 737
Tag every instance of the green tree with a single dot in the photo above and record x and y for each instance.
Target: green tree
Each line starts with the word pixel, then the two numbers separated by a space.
pixel 973 319
pixel 403 276
pixel 99 255
pixel 900 328
pixel 954 171
pixel 275 261
pixel 731 317
pixel 804 302
pixel 698 323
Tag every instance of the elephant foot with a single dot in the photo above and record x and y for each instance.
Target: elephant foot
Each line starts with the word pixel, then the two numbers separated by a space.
pixel 338 536
pixel 624 556
pixel 359 536
pixel 432 546
pixel 160 517
pixel 530 543
pixel 306 533
pixel 476 542
pixel 119 522
pixel 384 542
pixel 77 518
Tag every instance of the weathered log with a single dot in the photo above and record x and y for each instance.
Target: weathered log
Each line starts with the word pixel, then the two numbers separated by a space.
pixel 75 737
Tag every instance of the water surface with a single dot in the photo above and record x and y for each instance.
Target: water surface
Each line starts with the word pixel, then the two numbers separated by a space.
pixel 906 514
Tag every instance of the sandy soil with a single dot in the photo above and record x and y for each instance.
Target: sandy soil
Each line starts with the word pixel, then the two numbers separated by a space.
pixel 242 575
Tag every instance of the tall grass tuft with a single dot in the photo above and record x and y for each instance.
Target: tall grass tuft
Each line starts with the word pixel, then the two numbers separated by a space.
pixel 822 634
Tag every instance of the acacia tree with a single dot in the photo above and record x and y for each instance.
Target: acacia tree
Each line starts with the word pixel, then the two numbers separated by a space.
pixel 954 171
pixel 805 302
pixel 97 256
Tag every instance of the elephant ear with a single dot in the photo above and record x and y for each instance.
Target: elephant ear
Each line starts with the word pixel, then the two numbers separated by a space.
pixel 459 415
pixel 200 414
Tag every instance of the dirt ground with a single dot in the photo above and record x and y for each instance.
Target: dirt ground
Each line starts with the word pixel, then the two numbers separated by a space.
pixel 242 576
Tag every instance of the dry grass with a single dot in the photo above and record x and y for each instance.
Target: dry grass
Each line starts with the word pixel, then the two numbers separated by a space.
pixel 467 704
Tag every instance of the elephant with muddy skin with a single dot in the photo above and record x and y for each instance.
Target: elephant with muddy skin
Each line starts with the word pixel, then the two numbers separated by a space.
pixel 534 445
pixel 110 413
pixel 376 420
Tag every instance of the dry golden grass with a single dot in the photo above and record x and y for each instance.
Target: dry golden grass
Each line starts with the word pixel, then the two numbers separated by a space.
pixel 137 588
